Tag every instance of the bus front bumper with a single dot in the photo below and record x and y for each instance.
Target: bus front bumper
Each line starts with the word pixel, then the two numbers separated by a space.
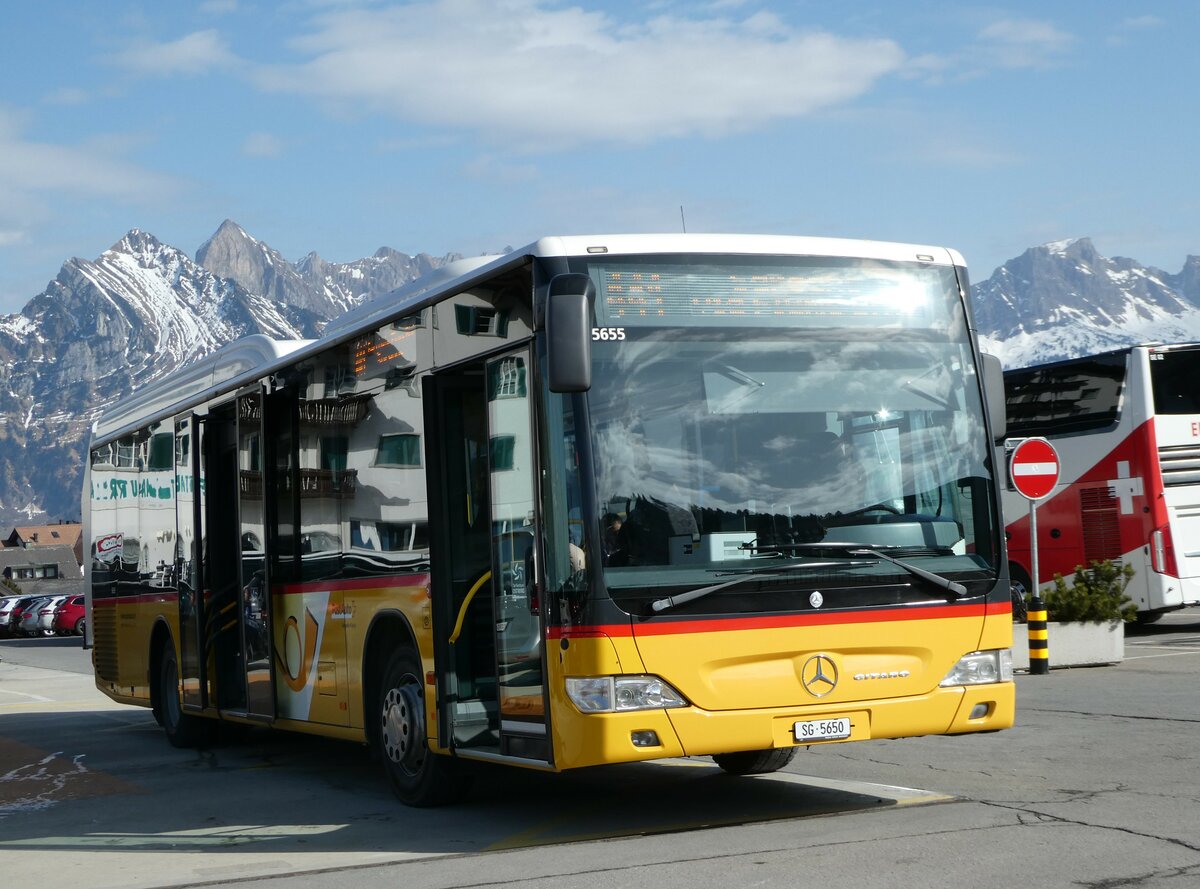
pixel 689 731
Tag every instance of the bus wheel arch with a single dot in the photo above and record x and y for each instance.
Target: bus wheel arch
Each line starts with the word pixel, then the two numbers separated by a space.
pixel 1018 575
pixel 160 641
pixel 182 729
pixel 388 632
pixel 394 709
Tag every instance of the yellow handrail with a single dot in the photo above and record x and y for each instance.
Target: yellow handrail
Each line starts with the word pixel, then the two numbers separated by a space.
pixel 462 609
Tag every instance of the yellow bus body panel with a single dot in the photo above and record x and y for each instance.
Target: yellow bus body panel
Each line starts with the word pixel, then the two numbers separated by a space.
pixel 745 691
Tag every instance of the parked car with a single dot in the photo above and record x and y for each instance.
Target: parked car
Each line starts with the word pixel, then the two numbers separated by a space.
pixel 27 623
pixel 70 616
pixel 46 615
pixel 6 606
pixel 12 617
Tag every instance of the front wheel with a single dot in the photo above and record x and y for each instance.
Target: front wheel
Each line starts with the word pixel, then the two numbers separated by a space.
pixel 419 777
pixel 182 729
pixel 755 762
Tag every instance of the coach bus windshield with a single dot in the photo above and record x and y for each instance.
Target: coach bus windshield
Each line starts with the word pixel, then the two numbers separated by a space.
pixel 743 413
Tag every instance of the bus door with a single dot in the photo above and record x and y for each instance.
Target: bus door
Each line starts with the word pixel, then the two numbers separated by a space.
pixel 488 627
pixel 236 625
pixel 187 567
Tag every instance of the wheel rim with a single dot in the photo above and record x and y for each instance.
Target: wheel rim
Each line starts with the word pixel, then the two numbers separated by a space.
pixel 403 726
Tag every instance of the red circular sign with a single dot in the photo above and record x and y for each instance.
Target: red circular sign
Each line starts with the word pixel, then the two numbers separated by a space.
pixel 1033 468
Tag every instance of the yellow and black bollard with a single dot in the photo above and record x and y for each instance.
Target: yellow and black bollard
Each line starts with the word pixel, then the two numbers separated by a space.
pixel 1039 640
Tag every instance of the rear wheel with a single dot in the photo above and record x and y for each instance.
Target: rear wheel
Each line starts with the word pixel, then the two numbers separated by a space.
pixel 755 762
pixel 419 777
pixel 79 626
pixel 182 729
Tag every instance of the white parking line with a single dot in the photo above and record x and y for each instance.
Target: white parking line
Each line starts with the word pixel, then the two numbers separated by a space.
pixel 1142 657
pixel 26 695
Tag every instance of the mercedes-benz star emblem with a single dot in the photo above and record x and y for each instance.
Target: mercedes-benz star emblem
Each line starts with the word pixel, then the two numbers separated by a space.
pixel 819 676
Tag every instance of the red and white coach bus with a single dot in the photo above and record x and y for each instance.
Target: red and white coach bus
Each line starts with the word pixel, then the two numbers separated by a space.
pixel 1126 425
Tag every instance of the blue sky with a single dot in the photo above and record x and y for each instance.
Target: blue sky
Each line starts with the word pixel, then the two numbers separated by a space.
pixel 470 125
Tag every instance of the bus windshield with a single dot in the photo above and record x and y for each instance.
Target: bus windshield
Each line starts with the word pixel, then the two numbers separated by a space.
pixel 728 445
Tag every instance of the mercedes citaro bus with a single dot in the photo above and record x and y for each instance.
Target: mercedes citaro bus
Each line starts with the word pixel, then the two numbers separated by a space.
pixel 598 500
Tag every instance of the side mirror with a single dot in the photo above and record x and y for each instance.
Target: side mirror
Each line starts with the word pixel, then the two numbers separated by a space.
pixel 569 332
pixel 993 391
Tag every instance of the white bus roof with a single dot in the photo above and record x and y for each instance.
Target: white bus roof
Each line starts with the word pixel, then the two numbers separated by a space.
pixel 228 368
pixel 257 356
pixel 783 245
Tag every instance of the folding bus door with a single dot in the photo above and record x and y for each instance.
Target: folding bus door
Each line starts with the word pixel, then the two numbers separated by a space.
pixel 487 625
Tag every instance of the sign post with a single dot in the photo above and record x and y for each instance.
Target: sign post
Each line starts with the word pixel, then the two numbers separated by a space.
pixel 1033 468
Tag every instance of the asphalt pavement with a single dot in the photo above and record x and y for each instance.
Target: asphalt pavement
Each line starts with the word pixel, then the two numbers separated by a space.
pixel 1096 786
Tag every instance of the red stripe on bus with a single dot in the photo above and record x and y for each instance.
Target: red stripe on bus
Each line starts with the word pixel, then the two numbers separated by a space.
pixel 771 622
pixel 358 583
pixel 137 599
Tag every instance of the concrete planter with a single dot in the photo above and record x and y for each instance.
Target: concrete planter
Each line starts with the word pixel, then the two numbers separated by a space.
pixel 1074 644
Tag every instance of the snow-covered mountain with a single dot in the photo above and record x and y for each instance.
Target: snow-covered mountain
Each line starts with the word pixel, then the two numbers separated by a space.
pixel 326 288
pixel 104 327
pixel 1064 299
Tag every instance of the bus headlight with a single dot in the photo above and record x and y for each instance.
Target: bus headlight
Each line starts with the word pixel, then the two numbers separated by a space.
pixel 981 668
pixel 608 694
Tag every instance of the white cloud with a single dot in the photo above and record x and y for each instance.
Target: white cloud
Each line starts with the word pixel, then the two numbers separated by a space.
pixel 262 145
pixel 195 53
pixel 490 169
pixel 535 75
pixel 1024 43
pixel 90 171
pixel 1143 21
pixel 68 96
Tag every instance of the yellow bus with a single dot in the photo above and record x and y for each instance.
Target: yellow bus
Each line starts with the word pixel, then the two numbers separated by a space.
pixel 598 500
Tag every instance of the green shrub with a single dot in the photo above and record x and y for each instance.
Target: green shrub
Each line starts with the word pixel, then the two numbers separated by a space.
pixel 9 586
pixel 1097 594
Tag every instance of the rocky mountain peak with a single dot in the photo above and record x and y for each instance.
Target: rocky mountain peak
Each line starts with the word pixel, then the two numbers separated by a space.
pixel 106 326
pixel 1065 299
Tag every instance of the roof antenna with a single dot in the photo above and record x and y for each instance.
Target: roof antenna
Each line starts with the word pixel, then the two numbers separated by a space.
pixel 682 220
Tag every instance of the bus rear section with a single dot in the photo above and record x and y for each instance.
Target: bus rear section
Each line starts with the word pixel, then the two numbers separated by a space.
pixel 1175 544
pixel 1126 425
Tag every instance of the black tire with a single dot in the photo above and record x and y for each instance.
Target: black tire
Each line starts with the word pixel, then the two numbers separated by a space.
pixel 755 762
pixel 418 776
pixel 79 626
pixel 182 729
pixel 1145 618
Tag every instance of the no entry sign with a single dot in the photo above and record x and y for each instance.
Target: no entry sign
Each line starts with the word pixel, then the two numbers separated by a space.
pixel 1034 468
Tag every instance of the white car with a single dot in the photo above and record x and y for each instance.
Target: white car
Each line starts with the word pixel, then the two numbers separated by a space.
pixel 45 621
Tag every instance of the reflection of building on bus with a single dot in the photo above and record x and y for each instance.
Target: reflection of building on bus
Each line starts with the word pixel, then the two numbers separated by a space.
pixel 1126 425
pixel 594 501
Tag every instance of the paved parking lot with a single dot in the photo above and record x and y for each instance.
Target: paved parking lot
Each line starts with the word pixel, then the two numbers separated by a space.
pixel 1095 786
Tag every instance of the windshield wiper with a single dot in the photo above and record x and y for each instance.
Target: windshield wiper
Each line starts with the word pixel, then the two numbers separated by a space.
pixel 950 587
pixel 751 574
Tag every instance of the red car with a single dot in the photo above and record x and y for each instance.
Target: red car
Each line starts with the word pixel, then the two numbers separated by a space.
pixel 70 617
